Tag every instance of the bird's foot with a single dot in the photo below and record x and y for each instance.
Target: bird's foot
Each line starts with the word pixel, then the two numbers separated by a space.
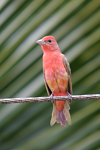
pixel 51 97
pixel 70 97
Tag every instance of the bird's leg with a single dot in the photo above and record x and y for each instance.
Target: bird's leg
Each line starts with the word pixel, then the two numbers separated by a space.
pixel 70 97
pixel 51 97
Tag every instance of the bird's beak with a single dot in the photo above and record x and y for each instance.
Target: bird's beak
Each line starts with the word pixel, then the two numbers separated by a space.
pixel 41 42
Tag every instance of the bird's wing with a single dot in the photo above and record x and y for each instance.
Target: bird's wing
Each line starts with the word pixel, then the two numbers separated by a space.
pixel 68 70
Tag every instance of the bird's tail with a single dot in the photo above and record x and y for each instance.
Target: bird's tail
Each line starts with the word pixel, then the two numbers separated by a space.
pixel 61 116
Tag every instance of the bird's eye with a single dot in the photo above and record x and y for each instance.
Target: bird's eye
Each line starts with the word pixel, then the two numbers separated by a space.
pixel 49 40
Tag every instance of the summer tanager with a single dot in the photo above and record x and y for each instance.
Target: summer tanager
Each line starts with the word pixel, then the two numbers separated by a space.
pixel 57 76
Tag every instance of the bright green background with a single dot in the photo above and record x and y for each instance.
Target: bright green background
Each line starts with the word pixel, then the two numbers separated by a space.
pixel 75 24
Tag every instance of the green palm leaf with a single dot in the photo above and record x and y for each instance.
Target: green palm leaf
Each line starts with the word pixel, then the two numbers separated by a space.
pixel 75 25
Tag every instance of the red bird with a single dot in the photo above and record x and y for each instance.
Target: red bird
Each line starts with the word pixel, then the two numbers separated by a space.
pixel 57 76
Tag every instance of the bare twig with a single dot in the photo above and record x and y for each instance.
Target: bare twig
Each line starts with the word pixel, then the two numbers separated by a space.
pixel 45 99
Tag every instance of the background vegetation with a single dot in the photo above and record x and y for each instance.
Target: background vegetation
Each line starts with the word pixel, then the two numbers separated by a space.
pixel 76 26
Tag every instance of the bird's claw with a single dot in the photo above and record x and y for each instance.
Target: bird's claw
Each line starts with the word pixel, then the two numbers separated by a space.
pixel 51 97
pixel 70 97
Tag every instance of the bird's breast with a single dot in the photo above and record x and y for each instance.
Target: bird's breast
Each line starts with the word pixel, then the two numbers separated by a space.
pixel 55 73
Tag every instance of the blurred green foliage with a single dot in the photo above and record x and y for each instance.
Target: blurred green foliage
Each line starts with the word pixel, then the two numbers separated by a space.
pixel 75 24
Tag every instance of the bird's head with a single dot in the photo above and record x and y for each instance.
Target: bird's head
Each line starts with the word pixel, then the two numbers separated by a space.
pixel 48 44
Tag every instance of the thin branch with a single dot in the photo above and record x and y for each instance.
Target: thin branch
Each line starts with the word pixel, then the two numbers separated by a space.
pixel 45 99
